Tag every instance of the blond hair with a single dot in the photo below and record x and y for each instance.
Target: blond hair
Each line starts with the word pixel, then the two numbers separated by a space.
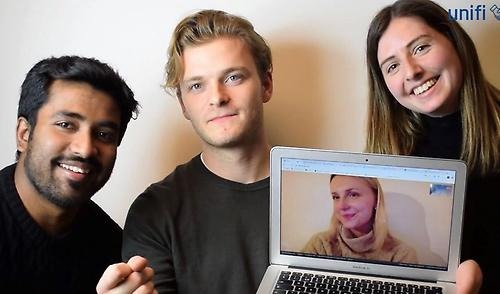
pixel 205 26
pixel 380 228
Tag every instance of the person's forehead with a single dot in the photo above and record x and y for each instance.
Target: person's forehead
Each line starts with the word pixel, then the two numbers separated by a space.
pixel 349 182
pixel 400 32
pixel 216 54
pixel 81 97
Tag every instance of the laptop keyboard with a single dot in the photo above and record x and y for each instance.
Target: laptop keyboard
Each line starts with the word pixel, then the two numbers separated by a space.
pixel 298 283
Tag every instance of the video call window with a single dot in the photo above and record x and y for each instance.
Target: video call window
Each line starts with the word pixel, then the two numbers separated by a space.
pixel 416 211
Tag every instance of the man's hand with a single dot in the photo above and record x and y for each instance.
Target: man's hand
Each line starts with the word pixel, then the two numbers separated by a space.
pixel 132 277
pixel 469 277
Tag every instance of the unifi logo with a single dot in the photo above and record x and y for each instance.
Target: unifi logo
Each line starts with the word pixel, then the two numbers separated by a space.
pixel 477 12
pixel 473 12
pixel 496 11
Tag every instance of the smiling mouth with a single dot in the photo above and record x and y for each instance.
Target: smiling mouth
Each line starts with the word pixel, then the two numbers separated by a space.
pixel 425 86
pixel 348 216
pixel 74 169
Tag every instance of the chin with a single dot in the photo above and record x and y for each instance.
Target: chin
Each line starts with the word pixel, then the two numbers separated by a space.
pixel 227 142
pixel 65 202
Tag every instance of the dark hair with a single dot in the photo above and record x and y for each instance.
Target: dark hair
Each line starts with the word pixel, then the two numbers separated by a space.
pixel 35 88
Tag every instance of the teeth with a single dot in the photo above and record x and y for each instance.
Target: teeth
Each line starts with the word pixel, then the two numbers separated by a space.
pixel 426 86
pixel 74 168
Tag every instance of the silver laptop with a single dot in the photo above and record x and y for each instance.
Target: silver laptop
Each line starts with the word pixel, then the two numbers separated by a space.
pixel 423 200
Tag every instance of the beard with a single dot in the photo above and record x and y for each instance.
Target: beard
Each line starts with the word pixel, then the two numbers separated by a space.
pixel 41 177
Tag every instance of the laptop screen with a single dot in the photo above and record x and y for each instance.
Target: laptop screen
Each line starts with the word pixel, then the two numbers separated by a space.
pixel 367 213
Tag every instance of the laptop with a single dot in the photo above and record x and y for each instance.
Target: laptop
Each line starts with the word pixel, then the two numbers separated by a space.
pixel 423 201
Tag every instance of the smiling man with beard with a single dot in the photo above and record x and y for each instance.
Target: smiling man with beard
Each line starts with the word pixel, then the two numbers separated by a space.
pixel 72 115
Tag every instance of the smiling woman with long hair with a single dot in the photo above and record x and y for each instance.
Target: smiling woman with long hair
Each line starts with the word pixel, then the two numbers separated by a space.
pixel 359 224
pixel 428 97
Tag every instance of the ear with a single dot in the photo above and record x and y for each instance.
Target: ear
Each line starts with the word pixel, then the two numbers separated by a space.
pixel 183 107
pixel 267 87
pixel 23 132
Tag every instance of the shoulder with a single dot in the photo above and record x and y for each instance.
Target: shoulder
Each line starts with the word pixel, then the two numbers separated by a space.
pixel 7 185
pixel 184 175
pixel 401 251
pixel 8 171
pixel 320 243
pixel 161 201
pixel 101 234
pixel 321 236
pixel 101 221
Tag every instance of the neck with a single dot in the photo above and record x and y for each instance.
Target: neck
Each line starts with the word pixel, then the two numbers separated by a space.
pixel 362 230
pixel 51 218
pixel 247 164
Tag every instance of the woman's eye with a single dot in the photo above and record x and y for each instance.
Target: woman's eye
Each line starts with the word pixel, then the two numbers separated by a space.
pixel 353 194
pixel 420 49
pixel 392 67
pixel 196 86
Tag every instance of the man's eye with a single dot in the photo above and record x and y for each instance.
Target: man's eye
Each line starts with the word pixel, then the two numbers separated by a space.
pixel 234 78
pixel 106 136
pixel 64 125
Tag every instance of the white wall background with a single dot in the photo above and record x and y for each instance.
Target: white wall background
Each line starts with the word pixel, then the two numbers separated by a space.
pixel 320 80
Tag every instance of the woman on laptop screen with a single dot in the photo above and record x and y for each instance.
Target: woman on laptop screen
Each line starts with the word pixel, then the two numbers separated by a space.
pixel 428 97
pixel 359 226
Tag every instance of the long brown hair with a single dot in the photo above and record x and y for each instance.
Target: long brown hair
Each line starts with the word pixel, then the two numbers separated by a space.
pixel 395 129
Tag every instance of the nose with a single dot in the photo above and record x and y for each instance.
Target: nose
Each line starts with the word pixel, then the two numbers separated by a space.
pixel 341 204
pixel 413 70
pixel 218 95
pixel 83 144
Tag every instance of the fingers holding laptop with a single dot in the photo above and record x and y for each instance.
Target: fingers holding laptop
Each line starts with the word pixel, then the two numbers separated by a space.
pixel 135 276
pixel 469 277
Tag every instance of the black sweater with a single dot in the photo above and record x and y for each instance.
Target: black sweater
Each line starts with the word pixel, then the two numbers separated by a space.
pixel 31 261
pixel 201 233
pixel 481 229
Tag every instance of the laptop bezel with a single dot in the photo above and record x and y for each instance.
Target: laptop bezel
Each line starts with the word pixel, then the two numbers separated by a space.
pixel 280 152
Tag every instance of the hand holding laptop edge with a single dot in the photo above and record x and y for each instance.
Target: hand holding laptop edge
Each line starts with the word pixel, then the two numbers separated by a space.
pixel 469 278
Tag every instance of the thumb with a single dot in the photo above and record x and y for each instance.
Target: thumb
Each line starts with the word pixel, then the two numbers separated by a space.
pixel 137 263
pixel 469 277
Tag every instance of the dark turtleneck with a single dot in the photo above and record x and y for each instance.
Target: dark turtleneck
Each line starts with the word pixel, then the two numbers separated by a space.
pixel 442 137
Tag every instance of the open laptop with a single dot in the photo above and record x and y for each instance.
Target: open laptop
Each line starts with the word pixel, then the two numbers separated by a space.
pixel 424 200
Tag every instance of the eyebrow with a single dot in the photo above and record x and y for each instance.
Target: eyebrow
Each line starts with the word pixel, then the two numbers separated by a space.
pixel 349 190
pixel 409 45
pixel 224 72
pixel 105 123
